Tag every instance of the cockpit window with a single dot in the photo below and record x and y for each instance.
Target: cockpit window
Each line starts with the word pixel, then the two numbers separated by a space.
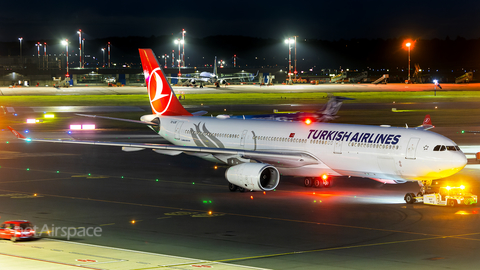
pixel 443 148
pixel 440 148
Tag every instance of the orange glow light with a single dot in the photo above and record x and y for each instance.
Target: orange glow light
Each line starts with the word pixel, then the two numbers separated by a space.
pixel 408 44
pixel 324 176
pixel 308 121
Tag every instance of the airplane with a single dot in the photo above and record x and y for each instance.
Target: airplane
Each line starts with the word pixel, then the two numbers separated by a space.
pixel 259 152
pixel 326 114
pixel 211 78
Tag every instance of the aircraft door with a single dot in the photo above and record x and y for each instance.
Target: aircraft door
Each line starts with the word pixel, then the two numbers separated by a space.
pixel 242 138
pixel 337 148
pixel 178 130
pixel 412 148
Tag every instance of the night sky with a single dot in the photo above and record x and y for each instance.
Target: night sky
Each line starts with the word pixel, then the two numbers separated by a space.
pixel 327 20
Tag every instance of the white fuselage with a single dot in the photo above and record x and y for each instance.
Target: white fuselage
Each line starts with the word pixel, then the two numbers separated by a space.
pixel 387 154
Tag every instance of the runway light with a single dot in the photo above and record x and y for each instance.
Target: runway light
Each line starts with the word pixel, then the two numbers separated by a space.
pixel 264 193
pixel 251 197
pixel 28 169
pixel 156 180
pixel 193 183
pixel 35 195
pixel 216 167
pixel 58 171
pixel 49 115
pixel 462 187
pixel 31 121
pixel 209 212
pixel 75 127
pixel 133 221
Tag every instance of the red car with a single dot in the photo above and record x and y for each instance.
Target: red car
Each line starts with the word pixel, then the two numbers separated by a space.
pixel 17 229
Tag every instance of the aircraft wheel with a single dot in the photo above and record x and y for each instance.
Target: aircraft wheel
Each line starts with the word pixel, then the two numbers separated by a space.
pixel 452 203
pixel 410 198
pixel 307 182
pixel 327 182
pixel 232 187
pixel 317 183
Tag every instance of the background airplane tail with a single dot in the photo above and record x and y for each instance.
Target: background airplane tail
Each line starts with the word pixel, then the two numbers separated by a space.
pixel 162 98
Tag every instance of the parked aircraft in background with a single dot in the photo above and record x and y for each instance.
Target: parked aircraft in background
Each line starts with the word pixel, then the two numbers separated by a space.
pixel 326 114
pixel 212 78
pixel 258 152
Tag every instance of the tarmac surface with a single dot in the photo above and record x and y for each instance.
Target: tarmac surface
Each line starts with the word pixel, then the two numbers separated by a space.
pixel 100 90
pixel 158 211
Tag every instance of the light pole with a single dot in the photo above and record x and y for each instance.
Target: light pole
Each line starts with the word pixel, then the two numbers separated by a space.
pixel 21 57
pixel 295 72
pixel 108 48
pixel 408 44
pixel 103 52
pixel 165 56
pixel 79 32
pixel 65 42
pixel 38 45
pixel 179 42
pixel 289 41
pixel 179 73
pixel 45 58
pixel 183 45
pixel 173 58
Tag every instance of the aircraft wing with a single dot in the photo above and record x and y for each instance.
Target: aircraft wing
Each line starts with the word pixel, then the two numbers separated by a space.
pixel 119 119
pixel 191 79
pixel 287 159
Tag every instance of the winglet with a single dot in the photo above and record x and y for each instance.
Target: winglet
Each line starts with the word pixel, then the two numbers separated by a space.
pixel 18 135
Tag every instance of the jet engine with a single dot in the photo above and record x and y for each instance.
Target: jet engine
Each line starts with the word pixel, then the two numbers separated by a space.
pixel 192 81
pixel 253 176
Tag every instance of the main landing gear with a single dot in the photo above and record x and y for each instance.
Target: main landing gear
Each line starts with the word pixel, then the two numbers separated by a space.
pixel 318 182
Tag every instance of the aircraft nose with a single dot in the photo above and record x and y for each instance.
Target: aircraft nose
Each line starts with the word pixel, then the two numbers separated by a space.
pixel 458 161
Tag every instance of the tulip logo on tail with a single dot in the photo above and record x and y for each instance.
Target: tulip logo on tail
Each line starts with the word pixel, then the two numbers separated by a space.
pixel 162 99
pixel 160 96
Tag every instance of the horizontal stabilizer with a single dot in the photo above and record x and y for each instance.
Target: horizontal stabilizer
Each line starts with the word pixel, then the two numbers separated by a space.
pixel 199 113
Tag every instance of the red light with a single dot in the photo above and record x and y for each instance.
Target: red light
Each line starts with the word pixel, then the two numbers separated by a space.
pixel 308 121
pixel 324 176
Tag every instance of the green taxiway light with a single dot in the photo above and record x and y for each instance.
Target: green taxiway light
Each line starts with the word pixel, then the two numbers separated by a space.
pixel 28 169
pixel 156 180
pixel 193 183
pixel 58 171
pixel 463 131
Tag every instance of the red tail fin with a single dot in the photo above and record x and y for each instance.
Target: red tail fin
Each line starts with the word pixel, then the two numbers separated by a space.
pixel 427 122
pixel 162 98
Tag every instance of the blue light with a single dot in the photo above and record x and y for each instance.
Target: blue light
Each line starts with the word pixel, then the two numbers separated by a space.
pixel 26 131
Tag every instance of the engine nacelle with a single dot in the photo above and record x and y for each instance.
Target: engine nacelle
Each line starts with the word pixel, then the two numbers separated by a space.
pixel 253 176
pixel 192 81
